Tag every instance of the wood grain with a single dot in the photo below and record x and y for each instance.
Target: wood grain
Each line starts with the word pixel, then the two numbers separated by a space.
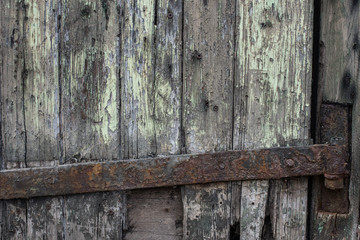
pixel 90 110
pixel 41 109
pixel 207 117
pixel 13 138
pixel 155 214
pixel 272 101
pixel 150 108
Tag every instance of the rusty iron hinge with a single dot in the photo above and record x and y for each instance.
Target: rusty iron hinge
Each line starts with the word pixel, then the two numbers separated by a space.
pixel 272 163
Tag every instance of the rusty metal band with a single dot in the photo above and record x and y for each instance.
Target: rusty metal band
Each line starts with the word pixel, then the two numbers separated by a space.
pixel 273 163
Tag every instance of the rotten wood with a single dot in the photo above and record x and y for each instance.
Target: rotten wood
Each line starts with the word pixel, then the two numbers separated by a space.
pixel 273 163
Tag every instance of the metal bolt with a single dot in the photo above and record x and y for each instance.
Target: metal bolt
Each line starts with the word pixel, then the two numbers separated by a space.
pixel 290 163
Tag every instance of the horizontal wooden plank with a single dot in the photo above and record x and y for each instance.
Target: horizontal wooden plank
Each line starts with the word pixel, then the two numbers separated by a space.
pixel 272 163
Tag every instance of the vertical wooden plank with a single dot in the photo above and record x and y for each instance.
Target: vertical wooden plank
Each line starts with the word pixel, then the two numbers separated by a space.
pixel 90 84
pixel 150 108
pixel 12 61
pixel 138 127
pixel 90 109
pixel 338 83
pixel 14 214
pixel 168 82
pixel 41 90
pixel 272 104
pixel 208 86
pixel 94 216
pixel 12 75
pixel 44 218
pixel 41 109
pixel 154 214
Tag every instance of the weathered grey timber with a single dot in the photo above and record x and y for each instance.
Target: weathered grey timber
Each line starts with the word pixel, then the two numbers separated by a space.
pixel 150 105
pixel 87 80
pixel 272 107
pixel 207 117
pixel 338 83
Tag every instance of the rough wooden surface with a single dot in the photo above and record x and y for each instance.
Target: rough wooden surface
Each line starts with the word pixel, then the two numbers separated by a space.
pixel 95 216
pixel 90 110
pixel 40 82
pixel 12 77
pixel 168 74
pixel 338 83
pixel 150 106
pixel 155 214
pixel 272 101
pixel 208 84
pixel 12 61
pixel 90 81
pixel 137 74
pixel 44 218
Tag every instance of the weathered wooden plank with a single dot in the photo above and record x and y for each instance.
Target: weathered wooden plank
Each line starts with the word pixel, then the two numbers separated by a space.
pixel 254 196
pixel 12 74
pixel 90 94
pixel 338 82
pixel 13 136
pixel 137 71
pixel 207 117
pixel 168 82
pixel 41 91
pixel 41 108
pixel 14 223
pixel 164 221
pixel 151 105
pixel 288 220
pixel 90 81
pixel 44 217
pixel 272 95
pixel 95 216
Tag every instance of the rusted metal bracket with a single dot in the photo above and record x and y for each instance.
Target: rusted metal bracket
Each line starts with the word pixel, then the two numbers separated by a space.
pixel 273 163
pixel 335 124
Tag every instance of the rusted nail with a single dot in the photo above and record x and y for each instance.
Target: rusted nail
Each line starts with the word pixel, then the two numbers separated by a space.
pixel 48 206
pixel 170 15
pixel 18 211
pixel 290 163
pixel 111 212
pixel 222 165
pixel 215 108
pixel 198 56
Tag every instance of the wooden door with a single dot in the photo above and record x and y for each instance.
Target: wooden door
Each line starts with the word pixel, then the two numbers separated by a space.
pixel 98 80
